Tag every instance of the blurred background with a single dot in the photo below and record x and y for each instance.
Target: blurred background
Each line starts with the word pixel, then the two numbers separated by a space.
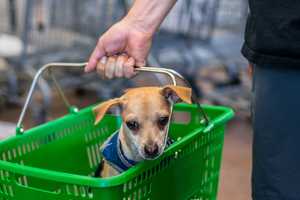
pixel 201 39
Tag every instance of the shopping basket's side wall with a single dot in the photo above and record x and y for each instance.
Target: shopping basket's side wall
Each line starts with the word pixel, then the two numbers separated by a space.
pixel 189 169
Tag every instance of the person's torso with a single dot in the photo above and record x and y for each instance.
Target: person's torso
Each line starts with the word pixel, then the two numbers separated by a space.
pixel 273 28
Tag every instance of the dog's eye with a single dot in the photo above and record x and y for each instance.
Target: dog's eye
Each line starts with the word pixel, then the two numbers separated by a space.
pixel 133 125
pixel 162 121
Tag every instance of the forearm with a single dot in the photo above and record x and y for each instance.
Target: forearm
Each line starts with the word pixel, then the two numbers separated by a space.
pixel 147 15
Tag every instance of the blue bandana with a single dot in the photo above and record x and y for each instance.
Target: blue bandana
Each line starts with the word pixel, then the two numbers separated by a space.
pixel 113 153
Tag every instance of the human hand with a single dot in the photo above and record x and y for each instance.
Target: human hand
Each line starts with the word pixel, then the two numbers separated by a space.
pixel 121 48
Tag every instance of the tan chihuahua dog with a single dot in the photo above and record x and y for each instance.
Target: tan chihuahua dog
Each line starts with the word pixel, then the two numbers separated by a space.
pixel 145 113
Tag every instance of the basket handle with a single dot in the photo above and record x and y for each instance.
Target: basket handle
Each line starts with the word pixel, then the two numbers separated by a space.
pixel 171 73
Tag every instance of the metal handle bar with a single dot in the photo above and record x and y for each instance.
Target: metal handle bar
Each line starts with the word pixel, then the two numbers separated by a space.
pixel 171 73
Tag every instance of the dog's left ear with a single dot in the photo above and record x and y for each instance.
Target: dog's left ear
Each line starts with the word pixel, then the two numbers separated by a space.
pixel 177 94
pixel 101 109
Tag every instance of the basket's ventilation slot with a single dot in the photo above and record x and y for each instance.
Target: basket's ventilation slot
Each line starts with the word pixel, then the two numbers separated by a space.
pixel 79 191
pixel 140 187
pixel 137 190
pixel 93 145
pixel 6 188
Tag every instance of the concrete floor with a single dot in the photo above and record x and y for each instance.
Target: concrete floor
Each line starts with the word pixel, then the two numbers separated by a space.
pixel 236 164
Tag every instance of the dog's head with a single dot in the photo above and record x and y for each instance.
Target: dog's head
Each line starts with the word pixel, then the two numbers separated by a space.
pixel 145 115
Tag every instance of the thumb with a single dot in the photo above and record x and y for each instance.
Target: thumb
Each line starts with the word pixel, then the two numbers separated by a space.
pixel 140 57
pixel 98 53
pixel 140 63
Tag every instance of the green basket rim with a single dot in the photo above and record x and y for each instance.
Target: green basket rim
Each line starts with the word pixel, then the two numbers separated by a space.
pixel 119 179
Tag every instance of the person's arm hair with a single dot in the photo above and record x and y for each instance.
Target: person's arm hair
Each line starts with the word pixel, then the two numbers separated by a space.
pixel 149 14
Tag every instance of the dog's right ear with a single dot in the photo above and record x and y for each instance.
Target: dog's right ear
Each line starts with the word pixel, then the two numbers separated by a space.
pixel 177 94
pixel 101 109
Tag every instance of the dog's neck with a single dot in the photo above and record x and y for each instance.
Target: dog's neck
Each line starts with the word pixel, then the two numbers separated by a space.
pixel 130 151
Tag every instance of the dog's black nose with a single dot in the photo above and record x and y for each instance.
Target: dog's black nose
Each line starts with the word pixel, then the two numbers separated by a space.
pixel 151 150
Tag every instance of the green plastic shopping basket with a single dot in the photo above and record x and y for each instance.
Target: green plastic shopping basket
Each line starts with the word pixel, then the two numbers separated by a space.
pixel 56 160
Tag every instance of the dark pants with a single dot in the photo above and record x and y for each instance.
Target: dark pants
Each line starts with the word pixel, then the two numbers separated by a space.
pixel 276 123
